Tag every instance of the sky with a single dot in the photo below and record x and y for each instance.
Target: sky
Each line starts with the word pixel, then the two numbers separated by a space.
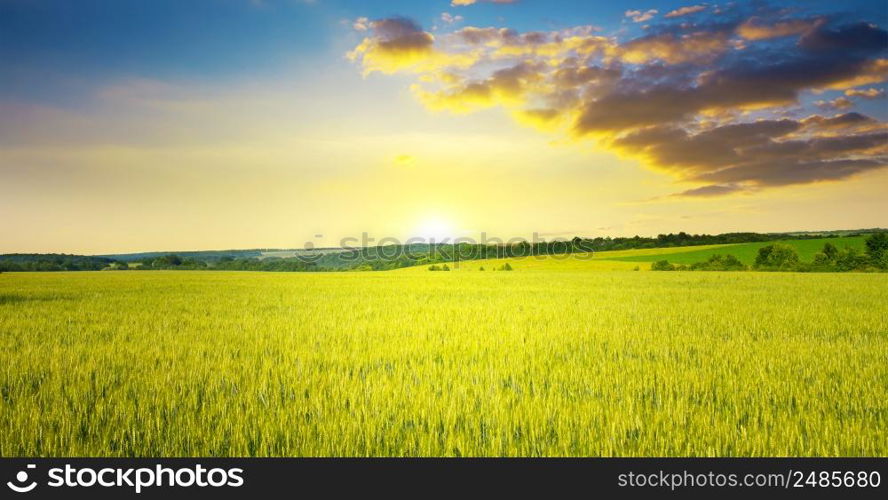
pixel 183 125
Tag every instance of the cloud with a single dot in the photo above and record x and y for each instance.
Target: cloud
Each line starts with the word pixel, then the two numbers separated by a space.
pixel 398 44
pixel 756 29
pixel 361 24
pixel 754 155
pixel 699 46
pixel 504 87
pixel 706 103
pixel 684 11
pixel 639 16
pixel 851 38
pixel 710 191
pixel 463 3
pixel 866 93
pixel 845 123
pixel 835 104
pixel 450 19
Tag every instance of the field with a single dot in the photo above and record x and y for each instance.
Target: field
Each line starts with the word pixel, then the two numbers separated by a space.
pixel 563 360
pixel 640 260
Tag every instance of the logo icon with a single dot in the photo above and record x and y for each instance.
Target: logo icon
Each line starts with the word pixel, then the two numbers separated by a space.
pixel 21 478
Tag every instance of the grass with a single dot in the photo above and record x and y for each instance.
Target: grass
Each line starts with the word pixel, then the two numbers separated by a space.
pixel 586 362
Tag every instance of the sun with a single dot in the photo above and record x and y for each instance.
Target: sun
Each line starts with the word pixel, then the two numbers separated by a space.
pixel 437 229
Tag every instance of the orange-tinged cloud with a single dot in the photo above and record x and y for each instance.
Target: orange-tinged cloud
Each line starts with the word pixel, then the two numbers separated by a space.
pixel 506 87
pixel 671 99
pixel 757 29
pixel 872 93
pixel 463 3
pixel 875 71
pixel 685 11
pixel 838 103
pixel 700 46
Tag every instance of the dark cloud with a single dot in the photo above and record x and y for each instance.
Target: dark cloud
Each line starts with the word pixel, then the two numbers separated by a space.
pixel 401 34
pixel 710 191
pixel 846 121
pixel 479 36
pixel 758 154
pixel 576 76
pixel 676 149
pixel 782 173
pixel 746 84
pixel 701 46
pixel 859 37
pixel 756 28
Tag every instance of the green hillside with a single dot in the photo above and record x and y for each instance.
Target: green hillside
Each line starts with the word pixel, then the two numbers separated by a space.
pixel 746 252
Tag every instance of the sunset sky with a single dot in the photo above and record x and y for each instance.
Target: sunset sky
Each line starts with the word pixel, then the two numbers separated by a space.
pixel 186 125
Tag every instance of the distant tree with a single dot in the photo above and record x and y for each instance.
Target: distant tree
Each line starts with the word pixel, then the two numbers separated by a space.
pixel 166 262
pixel 506 267
pixel 877 248
pixel 445 267
pixel 522 249
pixel 830 251
pixel 777 256
pixel 850 259
pixel 434 267
pixel 825 260
pixel 822 262
pixel 481 268
pixel 733 263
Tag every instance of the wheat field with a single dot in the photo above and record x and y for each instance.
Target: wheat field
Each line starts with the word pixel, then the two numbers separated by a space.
pixel 410 363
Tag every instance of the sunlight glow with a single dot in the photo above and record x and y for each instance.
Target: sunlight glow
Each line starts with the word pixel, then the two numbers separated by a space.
pixel 435 229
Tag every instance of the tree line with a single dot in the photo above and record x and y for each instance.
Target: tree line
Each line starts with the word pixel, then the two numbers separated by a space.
pixel 783 257
pixel 388 257
pixel 53 262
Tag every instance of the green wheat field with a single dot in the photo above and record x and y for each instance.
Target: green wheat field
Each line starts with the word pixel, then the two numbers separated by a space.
pixel 562 357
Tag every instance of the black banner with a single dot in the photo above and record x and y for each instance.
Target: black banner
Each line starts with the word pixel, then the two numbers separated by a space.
pixel 416 478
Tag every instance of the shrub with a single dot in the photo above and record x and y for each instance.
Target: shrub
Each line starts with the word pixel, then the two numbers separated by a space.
pixel 732 263
pixel 719 262
pixel 506 267
pixel 851 259
pixel 662 265
pixel 877 249
pixel 830 252
pixel 778 257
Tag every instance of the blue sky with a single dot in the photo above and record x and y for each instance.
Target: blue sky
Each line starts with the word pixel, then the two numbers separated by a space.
pixel 132 126
pixel 45 44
